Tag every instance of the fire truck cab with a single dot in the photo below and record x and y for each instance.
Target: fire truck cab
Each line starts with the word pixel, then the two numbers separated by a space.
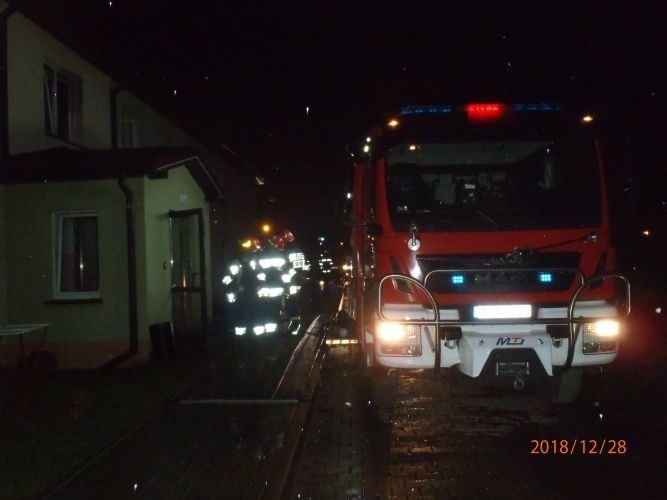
pixel 481 241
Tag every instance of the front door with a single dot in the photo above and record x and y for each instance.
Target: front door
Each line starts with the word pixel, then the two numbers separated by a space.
pixel 188 279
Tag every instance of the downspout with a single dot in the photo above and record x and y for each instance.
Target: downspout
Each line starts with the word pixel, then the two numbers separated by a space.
pixel 4 83
pixel 113 108
pixel 131 278
pixel 131 246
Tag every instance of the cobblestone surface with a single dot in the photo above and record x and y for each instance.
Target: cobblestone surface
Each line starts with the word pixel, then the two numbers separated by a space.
pixel 414 435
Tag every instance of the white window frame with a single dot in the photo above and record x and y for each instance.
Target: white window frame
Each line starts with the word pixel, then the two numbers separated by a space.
pixel 51 104
pixel 128 133
pixel 58 218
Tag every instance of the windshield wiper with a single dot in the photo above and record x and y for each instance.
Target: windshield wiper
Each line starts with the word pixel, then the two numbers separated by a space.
pixel 518 255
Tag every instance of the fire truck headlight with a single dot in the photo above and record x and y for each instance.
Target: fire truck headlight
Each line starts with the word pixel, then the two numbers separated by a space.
pixel 391 332
pixel 226 280
pixel 258 330
pixel 239 330
pixel 606 328
pixel 234 269
pixel 600 336
pixel 231 298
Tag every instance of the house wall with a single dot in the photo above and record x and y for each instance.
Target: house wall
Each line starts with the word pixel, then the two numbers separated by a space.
pixel 3 259
pixel 28 49
pixel 229 221
pixel 82 335
pixel 178 192
pixel 88 335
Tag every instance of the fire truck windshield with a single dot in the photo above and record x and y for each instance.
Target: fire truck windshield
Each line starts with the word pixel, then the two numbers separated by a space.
pixel 493 185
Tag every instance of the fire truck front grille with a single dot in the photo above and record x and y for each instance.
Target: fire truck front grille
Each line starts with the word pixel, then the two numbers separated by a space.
pixel 541 272
pixel 410 346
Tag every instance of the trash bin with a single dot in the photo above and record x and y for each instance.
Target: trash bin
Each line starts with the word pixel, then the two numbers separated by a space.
pixel 162 341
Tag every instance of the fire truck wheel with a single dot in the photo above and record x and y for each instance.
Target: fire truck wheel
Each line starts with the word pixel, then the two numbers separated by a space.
pixel 563 387
pixel 369 359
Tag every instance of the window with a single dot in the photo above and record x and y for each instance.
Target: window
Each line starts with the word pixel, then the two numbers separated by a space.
pixel 62 103
pixel 128 130
pixel 76 259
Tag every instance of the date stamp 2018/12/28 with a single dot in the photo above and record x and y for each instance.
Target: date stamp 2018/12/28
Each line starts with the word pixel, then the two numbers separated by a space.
pixel 578 447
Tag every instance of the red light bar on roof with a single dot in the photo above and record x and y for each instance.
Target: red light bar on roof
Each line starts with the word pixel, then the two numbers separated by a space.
pixel 485 111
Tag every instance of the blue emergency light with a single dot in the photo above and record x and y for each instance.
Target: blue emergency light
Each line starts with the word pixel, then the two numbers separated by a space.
pixel 458 279
pixel 545 277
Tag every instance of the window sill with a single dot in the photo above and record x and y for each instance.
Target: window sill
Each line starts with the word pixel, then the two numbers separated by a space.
pixel 94 300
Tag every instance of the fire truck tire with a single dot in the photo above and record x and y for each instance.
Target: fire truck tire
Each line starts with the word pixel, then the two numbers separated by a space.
pixel 563 387
pixel 369 359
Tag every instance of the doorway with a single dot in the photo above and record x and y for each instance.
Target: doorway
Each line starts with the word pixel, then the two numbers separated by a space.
pixel 188 276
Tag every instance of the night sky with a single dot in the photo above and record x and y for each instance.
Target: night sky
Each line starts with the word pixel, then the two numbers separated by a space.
pixel 287 85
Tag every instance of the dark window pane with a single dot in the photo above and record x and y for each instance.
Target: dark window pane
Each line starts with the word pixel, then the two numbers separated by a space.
pixel 79 260
pixel 64 108
pixel 49 100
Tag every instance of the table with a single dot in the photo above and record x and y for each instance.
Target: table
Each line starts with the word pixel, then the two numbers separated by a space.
pixel 20 331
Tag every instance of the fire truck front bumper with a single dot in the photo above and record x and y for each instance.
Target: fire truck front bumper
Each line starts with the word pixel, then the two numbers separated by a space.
pixel 503 348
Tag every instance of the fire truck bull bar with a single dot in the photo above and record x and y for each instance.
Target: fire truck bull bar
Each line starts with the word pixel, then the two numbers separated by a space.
pixel 574 324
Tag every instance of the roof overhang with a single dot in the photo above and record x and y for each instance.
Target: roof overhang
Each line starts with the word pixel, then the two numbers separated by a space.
pixel 67 165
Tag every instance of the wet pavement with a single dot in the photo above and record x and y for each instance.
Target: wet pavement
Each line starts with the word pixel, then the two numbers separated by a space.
pixel 207 444
pixel 410 434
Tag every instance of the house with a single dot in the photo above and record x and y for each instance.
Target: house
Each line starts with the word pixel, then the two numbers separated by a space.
pixel 109 211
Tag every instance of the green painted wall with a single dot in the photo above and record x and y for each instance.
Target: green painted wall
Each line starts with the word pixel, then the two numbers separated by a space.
pixel 3 260
pixel 28 49
pixel 178 192
pixel 30 259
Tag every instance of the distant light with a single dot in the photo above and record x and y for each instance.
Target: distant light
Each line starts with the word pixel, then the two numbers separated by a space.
pixel 175 91
pixel 270 327
pixel 348 196
pixel 367 148
pixel 259 180
pixel 258 330
pixel 431 109
pixel 646 232
pixel 307 109
pixel 393 123
pixel 368 139
pixel 413 147
pixel 587 119
pixel 239 330
pixel 658 310
pixel 266 228
pixel 270 292
pixel 321 238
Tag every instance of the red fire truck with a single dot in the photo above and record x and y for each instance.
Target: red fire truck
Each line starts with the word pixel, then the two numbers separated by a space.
pixel 481 241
